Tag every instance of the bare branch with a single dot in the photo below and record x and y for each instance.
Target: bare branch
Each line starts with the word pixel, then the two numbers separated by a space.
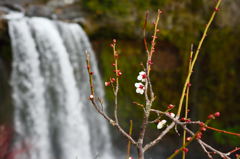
pixel 98 108
pixel 183 125
pixel 196 56
pixel 157 140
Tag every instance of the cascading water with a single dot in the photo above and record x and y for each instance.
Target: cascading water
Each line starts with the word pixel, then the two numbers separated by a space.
pixel 53 117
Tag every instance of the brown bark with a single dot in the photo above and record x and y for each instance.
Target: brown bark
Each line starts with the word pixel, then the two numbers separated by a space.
pixel 140 152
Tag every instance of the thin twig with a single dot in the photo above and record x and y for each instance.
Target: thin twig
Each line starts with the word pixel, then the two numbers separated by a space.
pixel 129 142
pixel 196 56
pixel 157 140
pixel 223 131
pixel 144 32
pixel 182 124
pixel 148 89
pixel 187 101
pixel 98 108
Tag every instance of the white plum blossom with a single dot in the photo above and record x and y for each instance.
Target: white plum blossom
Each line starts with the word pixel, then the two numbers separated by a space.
pixel 161 124
pixel 139 88
pixel 142 76
pixel 172 115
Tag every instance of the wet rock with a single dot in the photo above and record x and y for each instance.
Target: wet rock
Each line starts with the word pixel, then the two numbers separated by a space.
pixel 40 11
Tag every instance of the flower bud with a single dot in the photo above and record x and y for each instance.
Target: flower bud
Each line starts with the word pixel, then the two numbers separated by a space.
pixel 150 62
pixel 189 139
pixel 216 9
pixel 199 135
pixel 107 84
pixel 201 124
pixel 203 129
pixel 112 80
pixel 217 114
pixel 91 97
pixel 170 106
pixel 185 150
pixel 211 116
pixel 119 73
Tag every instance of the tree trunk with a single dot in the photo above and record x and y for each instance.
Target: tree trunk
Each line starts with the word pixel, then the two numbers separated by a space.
pixel 140 153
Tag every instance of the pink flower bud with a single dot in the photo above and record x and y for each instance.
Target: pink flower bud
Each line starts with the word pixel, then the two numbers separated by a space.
pixel 185 150
pixel 217 114
pixel 107 84
pixel 188 120
pixel 170 106
pixel 201 124
pixel 216 9
pixel 119 73
pixel 211 116
pixel 183 119
pixel 112 80
pixel 199 135
pixel 203 129
pixel 150 62
pixel 116 56
pixel 116 71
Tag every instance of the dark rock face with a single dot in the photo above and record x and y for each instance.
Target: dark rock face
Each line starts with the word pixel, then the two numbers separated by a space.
pixel 19 2
pixel 5 71
pixel 39 10
pixel 53 9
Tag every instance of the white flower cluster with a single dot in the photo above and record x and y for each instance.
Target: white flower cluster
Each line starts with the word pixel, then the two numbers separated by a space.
pixel 139 86
pixel 142 76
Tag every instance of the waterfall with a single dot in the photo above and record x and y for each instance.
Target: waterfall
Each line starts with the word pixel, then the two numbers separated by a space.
pixel 53 118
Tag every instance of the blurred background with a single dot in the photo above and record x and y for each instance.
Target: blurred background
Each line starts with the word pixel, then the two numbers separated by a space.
pixel 215 81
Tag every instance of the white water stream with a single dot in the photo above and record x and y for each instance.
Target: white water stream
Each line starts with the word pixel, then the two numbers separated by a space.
pixel 53 117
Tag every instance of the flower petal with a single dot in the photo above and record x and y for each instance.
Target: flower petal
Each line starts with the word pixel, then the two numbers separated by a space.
pixel 164 122
pixel 139 77
pixel 172 115
pixel 142 73
pixel 159 125
pixel 141 91
pixel 137 85
pixel 138 90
